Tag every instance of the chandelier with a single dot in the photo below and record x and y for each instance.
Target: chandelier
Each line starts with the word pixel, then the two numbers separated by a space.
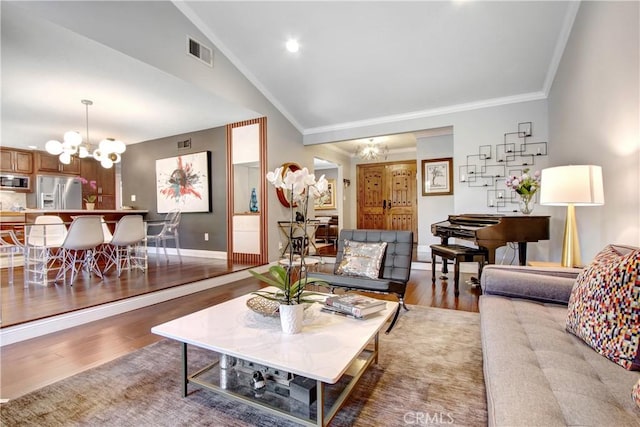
pixel 109 150
pixel 372 150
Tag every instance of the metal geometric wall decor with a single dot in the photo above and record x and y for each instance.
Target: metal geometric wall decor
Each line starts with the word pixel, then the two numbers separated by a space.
pixel 493 163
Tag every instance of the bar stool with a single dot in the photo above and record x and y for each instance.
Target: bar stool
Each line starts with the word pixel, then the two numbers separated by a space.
pixel 126 250
pixel 42 247
pixel 103 249
pixel 84 236
pixel 10 245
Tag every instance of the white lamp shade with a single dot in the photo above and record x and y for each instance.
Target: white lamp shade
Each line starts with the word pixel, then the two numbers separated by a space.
pixel 119 147
pixel 580 185
pixel 65 158
pixel 72 138
pixel 107 145
pixel 106 163
pixel 53 147
pixel 97 154
pixel 83 152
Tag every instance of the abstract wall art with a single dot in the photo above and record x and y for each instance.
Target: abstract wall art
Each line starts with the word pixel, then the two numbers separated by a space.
pixel 183 182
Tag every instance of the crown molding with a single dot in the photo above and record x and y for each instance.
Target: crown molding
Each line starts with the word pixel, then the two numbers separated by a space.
pixel 494 102
pixel 563 39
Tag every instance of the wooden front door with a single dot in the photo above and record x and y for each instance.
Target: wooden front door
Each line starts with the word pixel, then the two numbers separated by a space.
pixel 387 196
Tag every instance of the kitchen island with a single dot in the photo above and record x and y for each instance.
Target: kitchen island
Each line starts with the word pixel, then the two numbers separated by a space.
pixel 16 221
pixel 109 215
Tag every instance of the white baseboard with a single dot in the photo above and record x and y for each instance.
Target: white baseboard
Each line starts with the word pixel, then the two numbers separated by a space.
pixel 197 253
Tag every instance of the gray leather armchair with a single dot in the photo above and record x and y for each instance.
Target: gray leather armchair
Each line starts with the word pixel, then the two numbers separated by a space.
pixel 394 272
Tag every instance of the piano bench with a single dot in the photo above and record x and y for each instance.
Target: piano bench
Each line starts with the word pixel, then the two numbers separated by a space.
pixel 457 253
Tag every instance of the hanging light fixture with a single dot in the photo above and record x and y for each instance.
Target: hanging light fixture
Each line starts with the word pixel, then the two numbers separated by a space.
pixel 372 150
pixel 108 152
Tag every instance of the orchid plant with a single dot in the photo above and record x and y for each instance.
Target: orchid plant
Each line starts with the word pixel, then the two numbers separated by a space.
pixel 302 186
pixel 91 198
pixel 301 183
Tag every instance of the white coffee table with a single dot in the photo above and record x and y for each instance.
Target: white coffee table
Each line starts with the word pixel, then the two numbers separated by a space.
pixel 329 348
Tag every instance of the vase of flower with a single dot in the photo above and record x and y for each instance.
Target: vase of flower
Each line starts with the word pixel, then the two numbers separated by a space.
pixel 90 199
pixel 526 203
pixel 526 187
pixel 291 318
pixel 90 202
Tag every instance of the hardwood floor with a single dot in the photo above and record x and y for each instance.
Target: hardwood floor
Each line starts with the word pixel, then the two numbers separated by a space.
pixel 31 364
pixel 20 305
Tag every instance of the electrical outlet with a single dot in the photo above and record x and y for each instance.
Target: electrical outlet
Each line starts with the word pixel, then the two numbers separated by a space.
pixel 280 245
pixel 206 237
pixel 133 197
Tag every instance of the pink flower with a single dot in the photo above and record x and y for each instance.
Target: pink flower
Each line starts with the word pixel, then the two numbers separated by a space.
pixel 525 184
pixel 93 184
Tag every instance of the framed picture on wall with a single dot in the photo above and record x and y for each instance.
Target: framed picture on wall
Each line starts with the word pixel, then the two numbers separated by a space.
pixel 328 201
pixel 437 177
pixel 183 182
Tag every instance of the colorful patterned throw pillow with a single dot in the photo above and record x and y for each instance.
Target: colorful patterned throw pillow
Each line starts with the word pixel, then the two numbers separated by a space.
pixel 635 393
pixel 361 259
pixel 604 307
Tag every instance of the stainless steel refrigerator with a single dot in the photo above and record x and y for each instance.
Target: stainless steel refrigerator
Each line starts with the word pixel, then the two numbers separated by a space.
pixel 58 192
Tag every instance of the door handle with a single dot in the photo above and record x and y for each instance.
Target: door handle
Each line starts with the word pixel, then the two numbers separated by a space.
pixel 384 204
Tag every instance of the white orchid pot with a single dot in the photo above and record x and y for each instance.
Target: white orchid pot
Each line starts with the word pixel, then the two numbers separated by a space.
pixel 291 318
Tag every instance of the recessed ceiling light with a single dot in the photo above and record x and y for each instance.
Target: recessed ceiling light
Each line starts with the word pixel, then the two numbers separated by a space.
pixel 292 45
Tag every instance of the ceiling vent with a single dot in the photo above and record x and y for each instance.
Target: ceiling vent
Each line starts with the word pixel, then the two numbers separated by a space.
pixel 200 51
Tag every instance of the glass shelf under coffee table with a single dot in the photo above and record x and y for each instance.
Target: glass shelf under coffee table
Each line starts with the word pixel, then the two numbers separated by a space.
pixel 310 374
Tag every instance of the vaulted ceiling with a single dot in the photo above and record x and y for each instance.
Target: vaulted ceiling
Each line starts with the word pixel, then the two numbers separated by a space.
pixel 358 63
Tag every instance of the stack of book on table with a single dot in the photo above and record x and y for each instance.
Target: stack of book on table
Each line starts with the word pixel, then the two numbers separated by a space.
pixel 353 305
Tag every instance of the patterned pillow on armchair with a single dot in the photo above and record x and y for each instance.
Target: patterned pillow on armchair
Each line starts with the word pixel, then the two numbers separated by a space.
pixel 361 259
pixel 604 307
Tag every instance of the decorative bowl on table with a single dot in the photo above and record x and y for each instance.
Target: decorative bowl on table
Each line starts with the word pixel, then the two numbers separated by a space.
pixel 267 307
pixel 264 306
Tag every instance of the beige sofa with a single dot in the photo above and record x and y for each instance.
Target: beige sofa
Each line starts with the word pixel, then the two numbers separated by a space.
pixel 537 373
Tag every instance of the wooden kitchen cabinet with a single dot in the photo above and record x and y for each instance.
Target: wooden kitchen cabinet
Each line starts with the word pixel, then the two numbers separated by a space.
pixel 48 163
pixel 106 201
pixel 17 161
pixel 105 180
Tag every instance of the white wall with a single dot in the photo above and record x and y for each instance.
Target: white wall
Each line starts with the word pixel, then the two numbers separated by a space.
pixel 594 119
pixel 343 196
pixel 432 209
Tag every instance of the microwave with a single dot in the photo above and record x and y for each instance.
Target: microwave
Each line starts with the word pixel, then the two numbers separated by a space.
pixel 14 182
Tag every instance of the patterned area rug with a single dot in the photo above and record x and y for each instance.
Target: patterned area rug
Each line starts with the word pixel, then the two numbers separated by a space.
pixel 429 373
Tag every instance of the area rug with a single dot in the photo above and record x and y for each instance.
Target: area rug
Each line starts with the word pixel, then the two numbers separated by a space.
pixel 429 372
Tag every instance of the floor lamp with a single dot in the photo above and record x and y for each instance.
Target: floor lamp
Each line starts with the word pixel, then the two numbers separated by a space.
pixel 570 186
